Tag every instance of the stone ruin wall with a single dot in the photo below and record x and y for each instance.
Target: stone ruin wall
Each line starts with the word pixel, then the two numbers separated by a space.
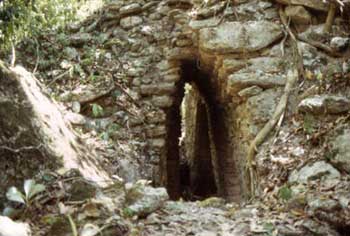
pixel 236 54
pixel 238 45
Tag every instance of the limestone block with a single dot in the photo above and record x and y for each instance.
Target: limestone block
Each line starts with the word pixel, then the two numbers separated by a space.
pixel 240 81
pixel 325 104
pixel 341 147
pixel 130 9
pixel 199 24
pixel 239 37
pixel 250 91
pixel 298 14
pixel 130 22
pixel 162 101
pixel 187 53
pixel 313 4
pixel 158 89
pixel 317 170
pixel 157 143
pixel 156 131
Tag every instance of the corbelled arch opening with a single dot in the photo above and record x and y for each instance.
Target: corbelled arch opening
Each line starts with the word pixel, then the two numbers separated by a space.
pixel 199 157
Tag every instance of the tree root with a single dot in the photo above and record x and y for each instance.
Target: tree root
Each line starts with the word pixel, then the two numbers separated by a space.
pixel 330 18
pixel 292 78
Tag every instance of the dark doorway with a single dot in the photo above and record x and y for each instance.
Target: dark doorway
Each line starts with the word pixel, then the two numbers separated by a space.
pixel 190 166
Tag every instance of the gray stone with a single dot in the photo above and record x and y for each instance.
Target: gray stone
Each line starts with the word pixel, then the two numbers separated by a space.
pixel 143 200
pixel 314 171
pixel 158 89
pixel 199 24
pixel 298 14
pixel 89 92
pixel 323 204
pixel 130 22
pixel 250 91
pixel 240 81
pixel 341 147
pixel 130 9
pixel 324 104
pixel 162 101
pixel 313 4
pixel 339 43
pixel 80 39
pixel 71 53
pixel 239 37
pixel 9 227
pixel 128 170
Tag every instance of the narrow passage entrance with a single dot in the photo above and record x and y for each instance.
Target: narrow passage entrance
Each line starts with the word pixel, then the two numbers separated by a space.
pixel 197 140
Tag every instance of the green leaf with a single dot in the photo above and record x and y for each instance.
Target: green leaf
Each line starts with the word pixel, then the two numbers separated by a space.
pixel 285 193
pixel 31 188
pixel 97 110
pixel 14 195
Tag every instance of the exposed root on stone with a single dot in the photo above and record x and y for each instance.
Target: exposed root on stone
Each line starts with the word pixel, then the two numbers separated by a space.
pixel 292 77
pixel 330 18
pixel 277 117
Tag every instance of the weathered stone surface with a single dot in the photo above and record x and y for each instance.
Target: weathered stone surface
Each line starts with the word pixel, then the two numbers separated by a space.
pixel 240 81
pixel 199 24
pixel 341 148
pixel 339 43
pixel 10 228
pixel 157 143
pixel 162 101
pixel 324 104
pixel 317 170
pixel 130 22
pixel 79 39
pixel 158 89
pixel 328 205
pixel 250 91
pixel 239 37
pixel 143 200
pixel 89 92
pixel 298 14
pixel 313 4
pixel 130 9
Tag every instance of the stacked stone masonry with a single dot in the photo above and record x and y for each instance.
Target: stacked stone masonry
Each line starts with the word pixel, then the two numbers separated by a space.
pixel 239 47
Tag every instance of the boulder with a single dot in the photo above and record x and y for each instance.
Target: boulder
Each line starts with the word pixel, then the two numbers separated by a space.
pixel 239 37
pixel 342 149
pixel 143 200
pixel 9 227
pixel 324 104
pixel 317 170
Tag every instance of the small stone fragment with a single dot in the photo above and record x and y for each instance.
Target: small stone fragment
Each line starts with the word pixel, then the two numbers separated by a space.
pixel 325 104
pixel 339 43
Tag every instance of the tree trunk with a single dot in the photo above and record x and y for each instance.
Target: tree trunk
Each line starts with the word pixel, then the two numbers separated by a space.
pixel 34 135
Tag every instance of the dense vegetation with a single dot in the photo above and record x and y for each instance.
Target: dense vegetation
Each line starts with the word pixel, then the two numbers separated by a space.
pixel 25 18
